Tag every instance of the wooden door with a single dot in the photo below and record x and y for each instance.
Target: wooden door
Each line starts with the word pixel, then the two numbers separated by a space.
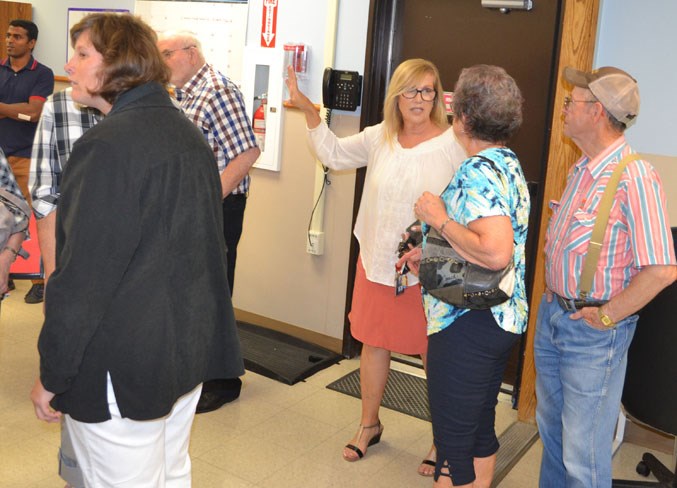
pixel 460 33
pixel 573 44
pixel 10 11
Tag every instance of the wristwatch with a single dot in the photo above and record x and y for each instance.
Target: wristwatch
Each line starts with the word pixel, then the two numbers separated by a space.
pixel 606 320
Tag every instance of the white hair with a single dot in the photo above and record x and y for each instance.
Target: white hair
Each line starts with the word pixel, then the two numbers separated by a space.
pixel 189 38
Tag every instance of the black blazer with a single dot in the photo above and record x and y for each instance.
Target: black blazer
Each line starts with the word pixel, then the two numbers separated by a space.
pixel 140 287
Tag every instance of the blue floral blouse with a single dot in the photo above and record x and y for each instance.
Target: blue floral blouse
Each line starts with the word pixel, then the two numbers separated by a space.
pixel 479 190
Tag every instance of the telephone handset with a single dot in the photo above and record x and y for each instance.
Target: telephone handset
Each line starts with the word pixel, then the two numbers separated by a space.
pixel 341 90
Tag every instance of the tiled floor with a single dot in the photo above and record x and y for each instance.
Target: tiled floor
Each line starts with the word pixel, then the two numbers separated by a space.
pixel 274 435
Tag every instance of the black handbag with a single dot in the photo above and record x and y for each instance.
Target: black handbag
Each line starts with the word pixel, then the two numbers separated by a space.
pixel 8 225
pixel 450 278
pixel 413 239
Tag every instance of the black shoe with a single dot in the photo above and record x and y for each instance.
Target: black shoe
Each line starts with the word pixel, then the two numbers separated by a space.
pixel 231 386
pixel 36 294
pixel 216 393
pixel 10 285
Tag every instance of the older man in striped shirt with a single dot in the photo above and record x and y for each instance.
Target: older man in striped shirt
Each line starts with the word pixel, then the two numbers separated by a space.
pixel 582 340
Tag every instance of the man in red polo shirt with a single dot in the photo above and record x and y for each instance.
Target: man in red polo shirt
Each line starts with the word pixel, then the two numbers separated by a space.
pixel 24 86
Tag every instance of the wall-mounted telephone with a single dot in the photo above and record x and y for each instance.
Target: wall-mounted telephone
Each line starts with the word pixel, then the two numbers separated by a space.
pixel 341 90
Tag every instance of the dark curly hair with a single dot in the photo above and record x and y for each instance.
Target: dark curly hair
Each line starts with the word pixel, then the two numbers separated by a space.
pixel 30 27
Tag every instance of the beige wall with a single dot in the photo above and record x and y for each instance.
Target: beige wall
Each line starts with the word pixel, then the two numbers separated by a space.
pixel 275 277
pixel 667 169
pixel 60 85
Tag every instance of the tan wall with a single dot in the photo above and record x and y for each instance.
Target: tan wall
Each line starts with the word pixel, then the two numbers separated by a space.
pixel 277 282
pixel 60 85
pixel 275 277
pixel 667 169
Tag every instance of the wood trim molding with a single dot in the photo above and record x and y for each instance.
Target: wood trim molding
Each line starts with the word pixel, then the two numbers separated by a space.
pixel 10 11
pixel 331 343
pixel 577 45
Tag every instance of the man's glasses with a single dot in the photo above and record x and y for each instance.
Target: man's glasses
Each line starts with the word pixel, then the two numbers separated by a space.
pixel 427 94
pixel 167 53
pixel 568 101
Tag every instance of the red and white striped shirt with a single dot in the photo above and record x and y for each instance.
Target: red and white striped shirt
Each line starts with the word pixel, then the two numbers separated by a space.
pixel 638 233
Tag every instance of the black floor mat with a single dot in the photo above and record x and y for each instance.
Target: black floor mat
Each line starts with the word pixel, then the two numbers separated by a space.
pixel 408 394
pixel 404 392
pixel 281 357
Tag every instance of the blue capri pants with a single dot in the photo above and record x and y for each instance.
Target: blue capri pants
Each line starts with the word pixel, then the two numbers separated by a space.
pixel 466 361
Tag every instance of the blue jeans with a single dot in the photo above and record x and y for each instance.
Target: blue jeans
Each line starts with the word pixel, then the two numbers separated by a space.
pixel 579 381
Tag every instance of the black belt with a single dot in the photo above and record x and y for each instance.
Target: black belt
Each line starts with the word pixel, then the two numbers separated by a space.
pixel 235 196
pixel 573 305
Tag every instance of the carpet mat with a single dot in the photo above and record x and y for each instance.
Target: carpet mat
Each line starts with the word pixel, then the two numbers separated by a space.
pixel 404 393
pixel 280 356
pixel 408 394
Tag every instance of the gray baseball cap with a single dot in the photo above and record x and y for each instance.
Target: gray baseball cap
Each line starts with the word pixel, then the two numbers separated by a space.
pixel 615 89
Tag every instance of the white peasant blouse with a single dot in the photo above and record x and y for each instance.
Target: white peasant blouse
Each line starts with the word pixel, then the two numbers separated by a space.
pixel 396 177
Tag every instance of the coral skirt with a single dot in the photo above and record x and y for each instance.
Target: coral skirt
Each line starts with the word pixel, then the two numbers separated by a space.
pixel 381 319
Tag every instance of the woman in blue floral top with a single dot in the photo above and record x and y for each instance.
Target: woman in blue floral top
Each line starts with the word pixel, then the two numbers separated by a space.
pixel 483 214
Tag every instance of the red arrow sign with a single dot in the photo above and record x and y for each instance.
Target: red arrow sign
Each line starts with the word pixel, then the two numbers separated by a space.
pixel 269 23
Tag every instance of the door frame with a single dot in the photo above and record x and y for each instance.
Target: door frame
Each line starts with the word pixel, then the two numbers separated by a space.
pixel 576 48
pixel 377 66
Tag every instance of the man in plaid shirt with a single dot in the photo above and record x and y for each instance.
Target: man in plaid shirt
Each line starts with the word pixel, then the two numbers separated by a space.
pixel 215 105
pixel 61 124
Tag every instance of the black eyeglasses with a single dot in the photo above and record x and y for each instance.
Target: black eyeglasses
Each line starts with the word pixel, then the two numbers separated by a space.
pixel 568 101
pixel 168 53
pixel 427 94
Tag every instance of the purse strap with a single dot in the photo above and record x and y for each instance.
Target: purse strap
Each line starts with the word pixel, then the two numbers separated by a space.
pixel 601 221
pixel 16 201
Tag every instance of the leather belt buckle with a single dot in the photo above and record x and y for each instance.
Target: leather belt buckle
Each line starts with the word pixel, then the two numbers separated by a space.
pixel 566 304
pixel 572 305
pixel 579 304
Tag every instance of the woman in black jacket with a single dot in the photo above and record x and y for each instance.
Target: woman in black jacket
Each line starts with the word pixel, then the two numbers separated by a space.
pixel 138 312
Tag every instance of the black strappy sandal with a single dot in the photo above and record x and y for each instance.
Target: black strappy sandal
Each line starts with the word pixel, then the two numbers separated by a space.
pixel 428 462
pixel 374 440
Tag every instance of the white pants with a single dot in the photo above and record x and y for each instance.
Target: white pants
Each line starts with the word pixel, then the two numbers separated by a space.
pixel 136 454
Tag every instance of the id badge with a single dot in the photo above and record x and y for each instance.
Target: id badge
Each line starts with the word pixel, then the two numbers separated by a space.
pixel 401 281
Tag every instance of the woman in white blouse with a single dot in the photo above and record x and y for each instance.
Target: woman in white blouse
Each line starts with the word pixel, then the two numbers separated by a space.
pixel 411 151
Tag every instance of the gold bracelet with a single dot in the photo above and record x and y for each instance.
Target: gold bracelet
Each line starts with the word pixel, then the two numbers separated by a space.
pixel 444 224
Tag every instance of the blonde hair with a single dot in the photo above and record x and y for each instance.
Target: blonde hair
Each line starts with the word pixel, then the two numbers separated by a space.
pixel 407 75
